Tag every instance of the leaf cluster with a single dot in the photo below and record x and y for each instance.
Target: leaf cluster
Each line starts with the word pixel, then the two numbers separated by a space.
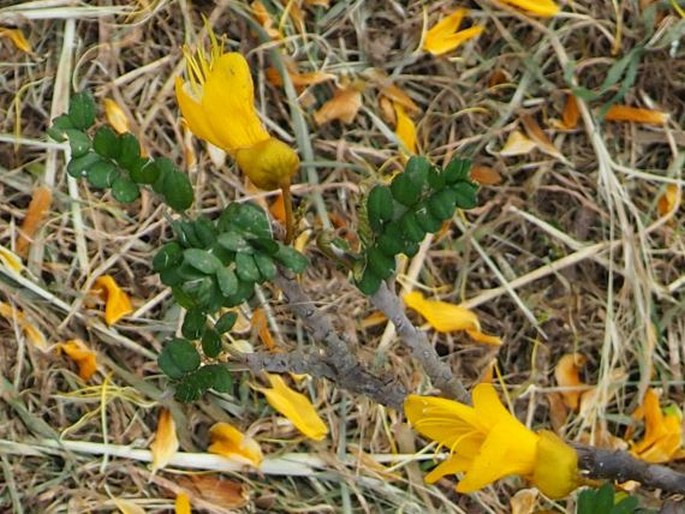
pixel 417 201
pixel 605 501
pixel 108 160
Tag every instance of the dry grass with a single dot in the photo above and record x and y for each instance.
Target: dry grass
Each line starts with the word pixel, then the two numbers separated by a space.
pixel 618 298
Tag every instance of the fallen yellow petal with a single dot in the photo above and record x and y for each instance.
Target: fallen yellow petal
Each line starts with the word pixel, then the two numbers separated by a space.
pixel 443 37
pixel 343 106
pixel 485 175
pixel 34 335
pixel 517 144
pixel 405 129
pixel 567 375
pixel 84 357
pixel 536 134
pixel 264 18
pixel 116 116
pixel 11 260
pixel 117 302
pixel 669 200
pixel 182 504
pixel 570 114
pixel 230 442
pixel 636 114
pixel 536 7
pixel 480 337
pixel 165 445
pixel 17 37
pixel 260 326
pixel 296 407
pixel 309 78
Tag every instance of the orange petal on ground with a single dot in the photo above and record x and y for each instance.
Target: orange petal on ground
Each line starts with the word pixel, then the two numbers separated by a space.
pixel 485 175
pixel 398 96
pixel 116 116
pixel 320 3
pixel 567 375
pixel 277 208
pixel 535 133
pixel 264 18
pixel 165 445
pixel 517 144
pixel 228 441
pixel 84 357
pixel 344 106
pixel 260 326
pixel 117 302
pixel 309 78
pixel 497 77
pixel 636 114
pixel 669 200
pixel 35 216
pixel 543 8
pixel 182 504
pixel 35 336
pixel 570 115
pixel 373 319
pixel 17 37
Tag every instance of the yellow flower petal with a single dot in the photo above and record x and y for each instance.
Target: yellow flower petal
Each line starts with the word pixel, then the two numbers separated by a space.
pixel 17 37
pixel 443 36
pixel 165 445
pixel 663 436
pixel 230 442
pixel 536 7
pixel 35 216
pixel 117 302
pixel 269 164
pixel 451 466
pixel 296 407
pixel 442 316
pixel 405 129
pixel 182 504
pixel 34 335
pixel 669 200
pixel 567 375
pixel 84 357
pixel 116 116
pixel 556 466
pixel 11 260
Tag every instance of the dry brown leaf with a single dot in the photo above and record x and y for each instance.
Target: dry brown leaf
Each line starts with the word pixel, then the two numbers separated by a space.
pixel 387 110
pixel 398 96
pixel 260 326
pixel 567 374
pixel 165 445
pixel 636 114
pixel 35 216
pixel 343 106
pixel 535 133
pixel 497 77
pixel 570 115
pixel 485 175
pixel 127 506
pixel 517 144
pixel 523 502
pixel 220 492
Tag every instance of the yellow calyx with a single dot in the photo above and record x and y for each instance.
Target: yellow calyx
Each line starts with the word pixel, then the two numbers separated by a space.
pixel 269 164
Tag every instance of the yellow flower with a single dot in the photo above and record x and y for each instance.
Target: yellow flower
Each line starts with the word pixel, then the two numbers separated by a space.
pixel 232 443
pixel 447 317
pixel 296 407
pixel 488 443
pixel 444 37
pixel 535 7
pixel 165 445
pixel 217 103
pixel 663 437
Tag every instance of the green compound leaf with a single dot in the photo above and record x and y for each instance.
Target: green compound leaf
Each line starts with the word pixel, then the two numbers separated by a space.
pixel 390 242
pixel 369 283
pixel 178 191
pixel 227 281
pixel 221 378
pixel 79 142
pixel 78 167
pixel 457 170
pixel 244 292
pixel 246 268
pixel 189 390
pixel 379 263
pixel 417 170
pixel 211 343
pixel 82 110
pixel 106 143
pixel 265 245
pixel 102 174
pixel 129 152
pixel 226 322
pixel 124 190
pixel 185 234
pixel 404 190
pixel 379 207
pixel 194 324
pixel 267 268
pixel 411 230
pixel 170 255
pixel 234 241
pixel 291 259
pixel 249 218
pixel 205 231
pixel 442 204
pixel 202 260
pixel 178 357
pixel 57 130
pixel 465 195
pixel 428 221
